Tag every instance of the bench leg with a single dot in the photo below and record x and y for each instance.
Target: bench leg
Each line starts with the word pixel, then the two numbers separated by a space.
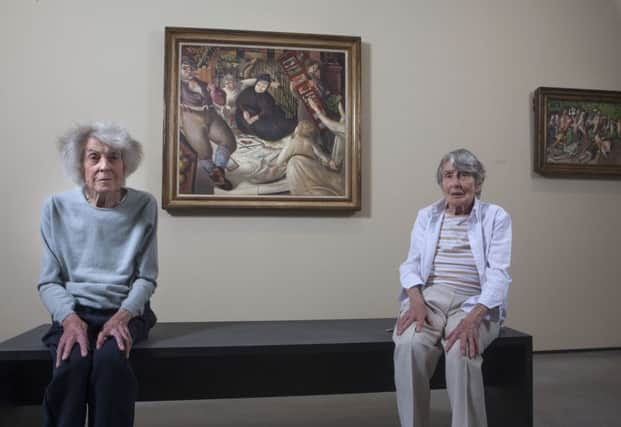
pixel 510 404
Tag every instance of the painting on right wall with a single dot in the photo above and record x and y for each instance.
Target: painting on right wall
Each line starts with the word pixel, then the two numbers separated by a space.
pixel 577 132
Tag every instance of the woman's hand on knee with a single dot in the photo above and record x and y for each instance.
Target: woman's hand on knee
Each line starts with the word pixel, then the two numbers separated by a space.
pixel 116 327
pixel 467 332
pixel 416 313
pixel 74 331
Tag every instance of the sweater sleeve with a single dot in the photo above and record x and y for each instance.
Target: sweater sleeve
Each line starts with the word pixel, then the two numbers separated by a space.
pixel 55 297
pixel 145 278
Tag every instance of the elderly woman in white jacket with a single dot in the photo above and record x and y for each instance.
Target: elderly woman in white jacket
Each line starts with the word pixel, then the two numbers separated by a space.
pixel 454 283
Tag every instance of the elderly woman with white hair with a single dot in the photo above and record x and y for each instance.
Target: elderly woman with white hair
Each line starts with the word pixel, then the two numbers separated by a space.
pixel 98 273
pixel 454 284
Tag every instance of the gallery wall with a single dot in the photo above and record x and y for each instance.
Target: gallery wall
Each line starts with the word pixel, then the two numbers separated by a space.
pixel 437 75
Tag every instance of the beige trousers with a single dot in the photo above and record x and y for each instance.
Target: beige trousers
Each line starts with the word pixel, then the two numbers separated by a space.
pixel 416 356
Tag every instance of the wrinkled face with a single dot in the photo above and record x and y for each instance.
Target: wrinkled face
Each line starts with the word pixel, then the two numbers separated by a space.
pixel 103 167
pixel 261 86
pixel 459 188
pixel 230 84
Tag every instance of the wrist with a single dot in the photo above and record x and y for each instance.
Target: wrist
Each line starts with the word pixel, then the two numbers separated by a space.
pixel 415 294
pixel 480 311
pixel 124 315
pixel 70 318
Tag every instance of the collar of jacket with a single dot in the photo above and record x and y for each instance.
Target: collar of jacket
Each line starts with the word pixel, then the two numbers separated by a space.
pixel 440 206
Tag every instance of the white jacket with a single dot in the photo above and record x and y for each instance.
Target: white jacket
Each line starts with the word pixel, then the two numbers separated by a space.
pixel 489 232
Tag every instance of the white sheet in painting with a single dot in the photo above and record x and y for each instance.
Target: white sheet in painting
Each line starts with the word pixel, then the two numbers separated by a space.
pixel 294 165
pixel 253 169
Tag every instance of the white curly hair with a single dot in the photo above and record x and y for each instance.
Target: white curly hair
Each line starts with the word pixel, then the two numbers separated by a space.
pixel 71 147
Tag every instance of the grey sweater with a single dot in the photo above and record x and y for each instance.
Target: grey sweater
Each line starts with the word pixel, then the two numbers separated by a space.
pixel 98 257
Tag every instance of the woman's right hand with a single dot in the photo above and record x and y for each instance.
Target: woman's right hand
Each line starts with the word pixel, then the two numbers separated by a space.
pixel 250 119
pixel 416 312
pixel 74 331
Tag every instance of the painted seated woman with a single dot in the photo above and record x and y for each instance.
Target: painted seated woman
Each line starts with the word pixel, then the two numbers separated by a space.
pixel 98 273
pixel 258 114
pixel 310 172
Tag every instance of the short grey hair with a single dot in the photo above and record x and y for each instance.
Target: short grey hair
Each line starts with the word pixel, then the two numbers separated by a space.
pixel 71 147
pixel 463 161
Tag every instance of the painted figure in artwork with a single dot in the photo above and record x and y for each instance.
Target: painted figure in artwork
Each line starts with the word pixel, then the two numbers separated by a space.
pixel 202 126
pixel 310 172
pixel 258 114
pixel 581 133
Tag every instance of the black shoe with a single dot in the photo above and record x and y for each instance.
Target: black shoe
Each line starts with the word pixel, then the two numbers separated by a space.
pixel 219 180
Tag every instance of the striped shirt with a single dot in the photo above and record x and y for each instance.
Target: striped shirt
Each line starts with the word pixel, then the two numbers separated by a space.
pixel 453 263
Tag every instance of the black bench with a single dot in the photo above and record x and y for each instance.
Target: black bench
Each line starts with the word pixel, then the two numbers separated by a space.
pixel 183 361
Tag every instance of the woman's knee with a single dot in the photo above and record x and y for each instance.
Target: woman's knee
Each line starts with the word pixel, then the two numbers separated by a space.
pixel 404 340
pixel 72 374
pixel 455 360
pixel 75 364
pixel 412 342
pixel 109 356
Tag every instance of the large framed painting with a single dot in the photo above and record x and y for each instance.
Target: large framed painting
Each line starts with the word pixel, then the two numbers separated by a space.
pixel 577 132
pixel 261 120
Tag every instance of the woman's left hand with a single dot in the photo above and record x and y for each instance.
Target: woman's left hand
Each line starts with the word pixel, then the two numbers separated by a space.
pixel 467 332
pixel 116 327
pixel 313 105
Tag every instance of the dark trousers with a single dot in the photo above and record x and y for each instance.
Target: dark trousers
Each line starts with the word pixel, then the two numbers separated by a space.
pixel 103 380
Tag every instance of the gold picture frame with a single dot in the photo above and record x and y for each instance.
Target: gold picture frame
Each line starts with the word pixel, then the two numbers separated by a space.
pixel 261 120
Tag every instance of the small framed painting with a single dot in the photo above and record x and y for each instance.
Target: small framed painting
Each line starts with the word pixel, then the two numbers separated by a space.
pixel 577 132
